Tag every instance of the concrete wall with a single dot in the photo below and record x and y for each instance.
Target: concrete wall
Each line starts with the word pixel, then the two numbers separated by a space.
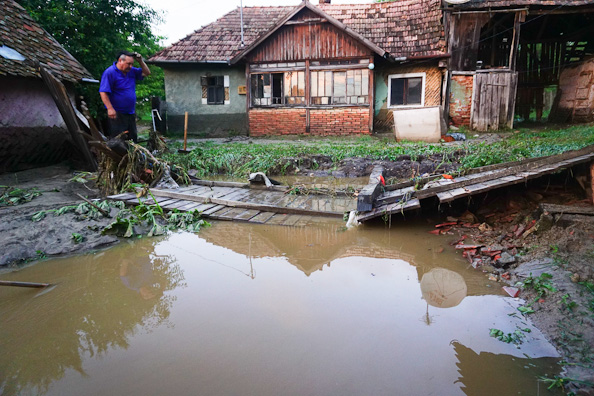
pixel 183 92
pixel 383 121
pixel 26 102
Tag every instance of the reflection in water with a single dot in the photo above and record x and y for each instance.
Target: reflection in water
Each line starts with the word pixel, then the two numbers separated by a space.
pixel 242 309
pixel 471 368
pixel 87 314
pixel 443 288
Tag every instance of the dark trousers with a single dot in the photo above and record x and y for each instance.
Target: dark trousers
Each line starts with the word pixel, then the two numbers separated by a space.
pixel 123 122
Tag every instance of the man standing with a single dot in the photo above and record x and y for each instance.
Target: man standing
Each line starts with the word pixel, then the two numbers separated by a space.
pixel 118 93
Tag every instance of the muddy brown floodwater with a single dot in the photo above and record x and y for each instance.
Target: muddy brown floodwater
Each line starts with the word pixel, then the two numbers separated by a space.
pixel 244 309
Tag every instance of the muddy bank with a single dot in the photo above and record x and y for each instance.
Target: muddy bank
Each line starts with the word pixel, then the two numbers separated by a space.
pixel 24 240
pixel 521 238
pixel 403 167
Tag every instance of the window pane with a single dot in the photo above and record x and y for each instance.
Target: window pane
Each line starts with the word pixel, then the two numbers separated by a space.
pixel 277 88
pixel 365 82
pixel 301 83
pixel 294 84
pixel 288 84
pixel 328 82
pixel 314 84
pixel 339 84
pixel 350 83
pixel 357 82
pixel 415 90
pixel 397 91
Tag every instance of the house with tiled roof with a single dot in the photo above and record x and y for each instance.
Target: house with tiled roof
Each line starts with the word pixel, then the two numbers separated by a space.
pixel 32 131
pixel 520 60
pixel 322 69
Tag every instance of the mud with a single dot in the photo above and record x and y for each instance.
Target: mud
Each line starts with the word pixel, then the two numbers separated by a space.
pixel 403 167
pixel 23 240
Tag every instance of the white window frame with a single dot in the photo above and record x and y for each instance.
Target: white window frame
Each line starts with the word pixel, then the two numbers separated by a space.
pixel 406 75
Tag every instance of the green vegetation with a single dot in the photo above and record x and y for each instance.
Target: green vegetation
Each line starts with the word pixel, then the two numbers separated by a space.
pixel 16 196
pixel 541 284
pixel 239 159
pixel 516 338
pixel 77 238
pixel 151 217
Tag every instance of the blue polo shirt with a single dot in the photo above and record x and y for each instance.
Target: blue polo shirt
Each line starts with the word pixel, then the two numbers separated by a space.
pixel 121 88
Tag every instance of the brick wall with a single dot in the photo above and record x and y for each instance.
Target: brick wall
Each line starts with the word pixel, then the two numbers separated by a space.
pixel 323 122
pixel 345 121
pixel 461 99
pixel 265 122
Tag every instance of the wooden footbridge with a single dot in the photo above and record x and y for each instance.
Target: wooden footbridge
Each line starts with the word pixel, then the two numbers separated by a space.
pixel 245 202
pixel 376 200
pixel 279 206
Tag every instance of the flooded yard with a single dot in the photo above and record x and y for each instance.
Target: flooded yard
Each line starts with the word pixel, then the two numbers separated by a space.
pixel 240 309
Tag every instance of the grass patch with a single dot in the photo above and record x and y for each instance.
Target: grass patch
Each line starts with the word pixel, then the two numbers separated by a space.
pixel 240 159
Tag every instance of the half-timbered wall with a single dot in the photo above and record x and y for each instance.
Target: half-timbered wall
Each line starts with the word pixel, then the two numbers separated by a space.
pixel 310 77
pixel 308 37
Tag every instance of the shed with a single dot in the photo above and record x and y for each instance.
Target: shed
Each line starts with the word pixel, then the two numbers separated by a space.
pixel 32 131
pixel 507 57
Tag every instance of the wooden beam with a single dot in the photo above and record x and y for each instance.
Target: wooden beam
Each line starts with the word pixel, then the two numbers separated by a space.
pixel 371 191
pixel 60 96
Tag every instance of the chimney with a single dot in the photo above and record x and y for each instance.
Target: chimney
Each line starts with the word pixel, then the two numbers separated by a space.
pixel 324 2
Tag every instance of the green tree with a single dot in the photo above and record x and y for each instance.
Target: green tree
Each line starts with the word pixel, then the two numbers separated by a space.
pixel 93 31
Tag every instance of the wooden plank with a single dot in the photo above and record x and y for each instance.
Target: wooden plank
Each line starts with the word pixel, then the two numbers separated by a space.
pixel 213 209
pixel 178 204
pixel 291 220
pixel 393 196
pixel 122 197
pixel 62 101
pixel 230 214
pixel 303 221
pixel 247 215
pixel 262 217
pixel 390 209
pixel 236 195
pixel 189 206
pixel 300 202
pixel 220 191
pixel 168 201
pixel 566 209
pixel 277 219
pixel 203 207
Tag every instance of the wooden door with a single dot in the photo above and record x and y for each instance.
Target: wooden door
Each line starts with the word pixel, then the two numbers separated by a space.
pixel 493 100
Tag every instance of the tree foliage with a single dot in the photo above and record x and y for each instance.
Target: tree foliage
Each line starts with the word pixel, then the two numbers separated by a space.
pixel 93 31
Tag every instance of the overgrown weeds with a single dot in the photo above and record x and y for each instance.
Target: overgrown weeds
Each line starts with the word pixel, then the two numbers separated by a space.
pixel 240 159
pixel 15 196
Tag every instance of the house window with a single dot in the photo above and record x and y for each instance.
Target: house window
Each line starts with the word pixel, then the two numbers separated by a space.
pixel 406 90
pixel 213 90
pixel 286 88
pixel 339 87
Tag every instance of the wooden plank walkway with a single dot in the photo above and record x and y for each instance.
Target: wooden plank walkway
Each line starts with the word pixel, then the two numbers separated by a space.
pixel 239 202
pixel 403 197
